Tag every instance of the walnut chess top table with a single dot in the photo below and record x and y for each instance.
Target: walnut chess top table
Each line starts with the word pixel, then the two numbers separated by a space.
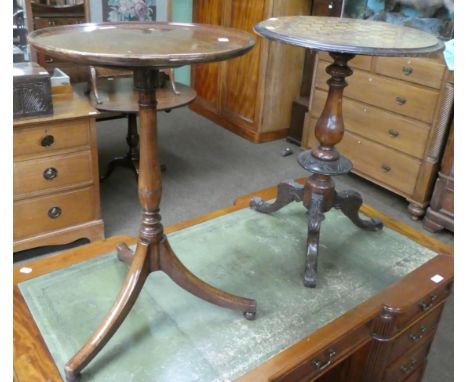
pixel 371 318
pixel 343 38
pixel 145 48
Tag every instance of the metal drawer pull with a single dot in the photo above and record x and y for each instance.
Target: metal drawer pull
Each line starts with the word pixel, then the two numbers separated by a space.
pixel 386 168
pixel 407 70
pixel 50 173
pixel 410 367
pixel 400 100
pixel 48 140
pixel 425 306
pixel 319 365
pixel 49 60
pixel 55 212
pixel 394 133
pixel 51 23
pixel 419 335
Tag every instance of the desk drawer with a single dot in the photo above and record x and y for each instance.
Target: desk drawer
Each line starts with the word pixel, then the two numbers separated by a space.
pixel 423 71
pixel 326 359
pixel 387 93
pixel 408 363
pixel 51 173
pixel 48 213
pixel 50 137
pixel 416 334
pixel 393 130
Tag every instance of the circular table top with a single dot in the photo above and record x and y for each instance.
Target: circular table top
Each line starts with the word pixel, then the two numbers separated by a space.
pixel 118 94
pixel 344 35
pixel 141 44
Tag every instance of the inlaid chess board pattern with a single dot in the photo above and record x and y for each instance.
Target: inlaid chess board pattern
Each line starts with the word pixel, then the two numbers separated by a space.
pixel 345 35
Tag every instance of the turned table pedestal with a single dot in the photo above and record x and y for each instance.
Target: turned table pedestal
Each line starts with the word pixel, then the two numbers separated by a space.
pixel 343 39
pixel 145 48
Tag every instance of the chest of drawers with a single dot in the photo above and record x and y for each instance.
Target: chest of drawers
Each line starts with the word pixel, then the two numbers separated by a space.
pixel 395 121
pixel 55 176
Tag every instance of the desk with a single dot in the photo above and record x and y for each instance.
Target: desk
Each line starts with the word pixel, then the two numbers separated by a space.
pixel 375 331
pixel 55 176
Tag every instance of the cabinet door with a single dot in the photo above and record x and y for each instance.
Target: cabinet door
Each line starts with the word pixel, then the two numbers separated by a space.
pixel 206 77
pixel 240 93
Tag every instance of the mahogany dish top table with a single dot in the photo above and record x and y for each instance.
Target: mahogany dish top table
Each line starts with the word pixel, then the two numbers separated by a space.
pixel 342 38
pixel 145 48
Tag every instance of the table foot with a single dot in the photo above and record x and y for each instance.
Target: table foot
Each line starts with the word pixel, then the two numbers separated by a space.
pixel 124 253
pixel 174 268
pixel 139 270
pixel 288 191
pixel 123 161
pixel 349 202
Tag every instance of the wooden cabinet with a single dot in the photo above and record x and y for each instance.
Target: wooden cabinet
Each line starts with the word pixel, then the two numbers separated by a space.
pixel 440 213
pixel 55 176
pixel 44 16
pixel 250 95
pixel 395 117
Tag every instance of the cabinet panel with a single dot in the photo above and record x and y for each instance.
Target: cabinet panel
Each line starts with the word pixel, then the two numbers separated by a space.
pixel 240 90
pixel 205 77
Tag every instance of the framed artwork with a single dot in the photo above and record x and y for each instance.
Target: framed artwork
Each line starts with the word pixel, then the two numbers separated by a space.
pixel 129 10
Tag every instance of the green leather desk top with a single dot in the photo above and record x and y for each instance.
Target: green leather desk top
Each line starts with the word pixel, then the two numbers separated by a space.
pixel 170 335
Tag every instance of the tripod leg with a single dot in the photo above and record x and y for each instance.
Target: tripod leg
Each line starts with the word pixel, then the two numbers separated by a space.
pixel 174 268
pixel 315 218
pixel 139 270
pixel 349 203
pixel 288 191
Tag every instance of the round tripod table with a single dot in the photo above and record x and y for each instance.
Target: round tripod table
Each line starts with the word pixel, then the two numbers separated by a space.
pixel 343 39
pixel 145 48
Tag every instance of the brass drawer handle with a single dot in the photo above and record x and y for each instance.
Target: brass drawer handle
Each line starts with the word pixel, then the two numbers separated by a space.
pixel 55 212
pixel 407 70
pixel 400 100
pixel 49 60
pixel 410 367
pixel 50 173
pixel 48 140
pixel 394 133
pixel 319 365
pixel 419 335
pixel 51 23
pixel 426 306
pixel 386 168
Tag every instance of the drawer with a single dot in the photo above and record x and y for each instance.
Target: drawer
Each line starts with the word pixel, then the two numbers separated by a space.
pixel 358 62
pixel 52 212
pixel 416 334
pixel 51 137
pixel 52 173
pixel 416 375
pixel 395 170
pixel 46 22
pixel 326 359
pixel 392 130
pixel 408 363
pixel 423 71
pixel 387 93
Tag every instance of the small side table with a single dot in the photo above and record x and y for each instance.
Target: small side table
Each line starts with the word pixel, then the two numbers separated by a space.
pixel 343 39
pixel 145 48
pixel 117 94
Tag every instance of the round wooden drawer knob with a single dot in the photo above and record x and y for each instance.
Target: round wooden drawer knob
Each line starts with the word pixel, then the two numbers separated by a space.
pixel 47 141
pixel 50 173
pixel 55 212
